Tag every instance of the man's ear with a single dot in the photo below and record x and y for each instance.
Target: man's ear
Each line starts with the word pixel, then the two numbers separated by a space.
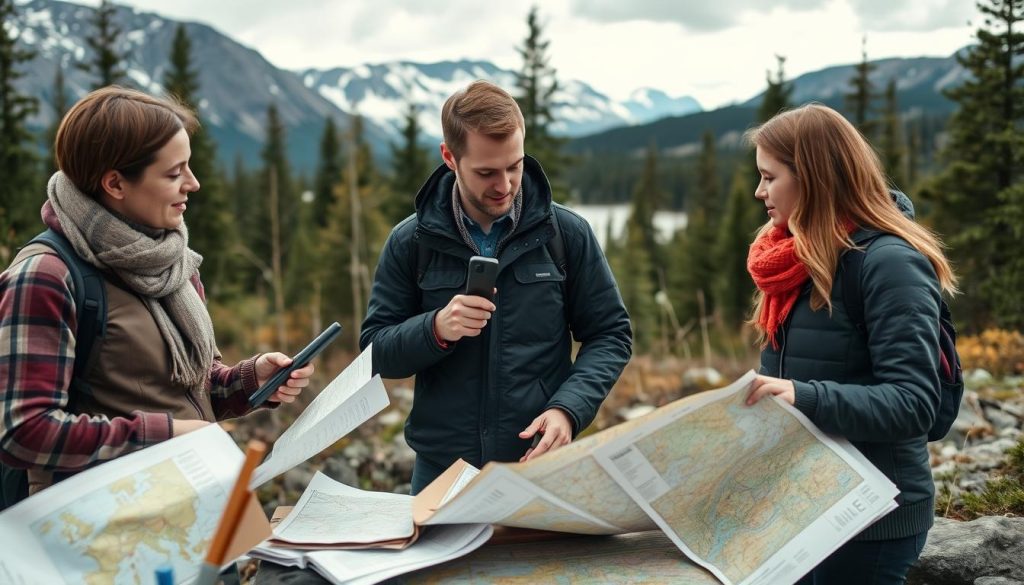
pixel 113 184
pixel 448 157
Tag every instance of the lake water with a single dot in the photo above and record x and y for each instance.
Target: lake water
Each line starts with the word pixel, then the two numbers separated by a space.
pixel 600 216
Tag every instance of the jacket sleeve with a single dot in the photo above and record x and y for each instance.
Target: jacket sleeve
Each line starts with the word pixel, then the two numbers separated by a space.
pixel 599 321
pixel 37 334
pixel 402 335
pixel 901 313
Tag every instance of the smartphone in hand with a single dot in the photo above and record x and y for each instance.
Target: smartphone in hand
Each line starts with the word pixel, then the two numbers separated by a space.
pixel 483 273
pixel 299 361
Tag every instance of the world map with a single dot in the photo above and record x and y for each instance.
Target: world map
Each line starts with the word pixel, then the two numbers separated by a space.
pixel 122 532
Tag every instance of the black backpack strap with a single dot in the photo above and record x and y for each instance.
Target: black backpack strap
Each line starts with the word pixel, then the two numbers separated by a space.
pixel 852 263
pixel 90 304
pixel 556 249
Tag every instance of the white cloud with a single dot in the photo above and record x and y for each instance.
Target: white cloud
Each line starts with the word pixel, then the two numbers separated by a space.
pixel 716 51
pixel 698 16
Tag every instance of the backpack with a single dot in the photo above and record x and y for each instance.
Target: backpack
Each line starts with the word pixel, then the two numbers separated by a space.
pixel 555 246
pixel 91 309
pixel 951 378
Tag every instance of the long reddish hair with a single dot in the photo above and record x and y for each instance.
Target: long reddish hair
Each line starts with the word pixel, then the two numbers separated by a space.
pixel 840 179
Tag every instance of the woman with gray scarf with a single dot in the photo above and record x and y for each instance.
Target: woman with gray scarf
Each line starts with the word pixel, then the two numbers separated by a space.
pixel 119 200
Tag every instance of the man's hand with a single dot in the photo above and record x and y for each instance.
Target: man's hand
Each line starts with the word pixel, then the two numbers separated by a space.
pixel 465 316
pixel 269 363
pixel 768 386
pixel 556 427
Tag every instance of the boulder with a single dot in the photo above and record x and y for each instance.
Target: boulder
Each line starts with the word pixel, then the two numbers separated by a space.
pixel 964 553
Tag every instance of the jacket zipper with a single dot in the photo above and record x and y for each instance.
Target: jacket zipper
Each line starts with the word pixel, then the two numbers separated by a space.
pixel 192 401
pixel 782 352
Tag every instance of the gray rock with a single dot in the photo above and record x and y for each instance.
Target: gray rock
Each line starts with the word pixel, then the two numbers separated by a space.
pixel 1001 420
pixel 635 411
pixel 977 377
pixel 959 553
pixel 338 469
pixel 997 581
pixel 703 377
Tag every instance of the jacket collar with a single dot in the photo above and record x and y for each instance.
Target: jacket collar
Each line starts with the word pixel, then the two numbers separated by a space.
pixel 435 215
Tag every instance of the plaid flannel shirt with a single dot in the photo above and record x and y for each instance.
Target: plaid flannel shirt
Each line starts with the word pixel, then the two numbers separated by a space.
pixel 37 354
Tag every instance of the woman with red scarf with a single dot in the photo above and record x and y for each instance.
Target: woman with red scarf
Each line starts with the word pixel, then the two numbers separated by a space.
pixel 875 384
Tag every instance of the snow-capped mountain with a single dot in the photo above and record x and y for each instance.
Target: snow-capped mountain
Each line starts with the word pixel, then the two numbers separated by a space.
pixel 236 84
pixel 382 93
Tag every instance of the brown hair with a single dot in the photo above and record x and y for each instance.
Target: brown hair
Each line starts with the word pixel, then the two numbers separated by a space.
pixel 481 107
pixel 839 178
pixel 116 128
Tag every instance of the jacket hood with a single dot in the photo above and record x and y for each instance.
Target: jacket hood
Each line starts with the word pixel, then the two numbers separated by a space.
pixel 434 199
pixel 903 203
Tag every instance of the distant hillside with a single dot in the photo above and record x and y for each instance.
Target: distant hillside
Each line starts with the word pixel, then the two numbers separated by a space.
pixel 919 85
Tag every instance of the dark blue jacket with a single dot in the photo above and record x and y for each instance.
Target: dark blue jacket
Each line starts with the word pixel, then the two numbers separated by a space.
pixel 473 399
pixel 880 388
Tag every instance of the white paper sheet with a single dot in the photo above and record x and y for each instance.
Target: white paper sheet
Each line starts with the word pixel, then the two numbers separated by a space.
pixel 332 512
pixel 347 402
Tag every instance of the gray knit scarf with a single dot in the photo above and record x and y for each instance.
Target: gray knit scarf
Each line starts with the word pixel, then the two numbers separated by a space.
pixel 157 264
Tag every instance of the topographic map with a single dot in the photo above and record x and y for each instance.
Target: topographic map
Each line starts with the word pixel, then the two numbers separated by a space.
pixel 117 533
pixel 743 481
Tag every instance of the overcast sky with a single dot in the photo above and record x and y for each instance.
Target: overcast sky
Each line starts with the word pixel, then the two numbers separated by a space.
pixel 714 50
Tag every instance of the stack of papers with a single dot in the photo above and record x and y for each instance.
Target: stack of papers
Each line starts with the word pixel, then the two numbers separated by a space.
pixel 366 566
pixel 332 515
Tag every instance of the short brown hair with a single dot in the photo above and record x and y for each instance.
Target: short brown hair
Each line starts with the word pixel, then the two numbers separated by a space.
pixel 481 107
pixel 115 128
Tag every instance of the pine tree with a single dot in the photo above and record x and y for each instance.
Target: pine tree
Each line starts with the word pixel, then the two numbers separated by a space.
pixel 537 87
pixel 328 173
pixel 212 229
pixel 20 188
pixel 106 62
pixel 632 265
pixel 776 97
pixel 913 153
pixel 980 195
pixel 698 255
pixel 60 107
pixel 862 92
pixel 359 187
pixel 411 165
pixel 648 198
pixel 733 286
pixel 891 139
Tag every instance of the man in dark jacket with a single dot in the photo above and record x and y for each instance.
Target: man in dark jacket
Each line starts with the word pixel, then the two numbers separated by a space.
pixel 491 375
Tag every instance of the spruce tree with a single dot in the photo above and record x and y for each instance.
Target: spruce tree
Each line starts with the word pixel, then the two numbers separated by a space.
pixel 328 173
pixel 778 93
pixel 106 60
pixel 212 229
pixel 60 106
pixel 360 234
pixel 20 189
pixel 734 288
pixel 698 258
pixel 537 87
pixel 862 92
pixel 411 165
pixel 891 139
pixel 979 196
pixel 632 265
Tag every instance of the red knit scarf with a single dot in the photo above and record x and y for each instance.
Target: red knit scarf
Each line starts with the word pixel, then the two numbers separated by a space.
pixel 777 273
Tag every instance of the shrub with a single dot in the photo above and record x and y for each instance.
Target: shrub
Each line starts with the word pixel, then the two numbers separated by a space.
pixel 998 351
